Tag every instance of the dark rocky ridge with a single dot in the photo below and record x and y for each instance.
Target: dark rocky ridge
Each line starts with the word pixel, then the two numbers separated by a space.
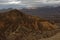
pixel 15 25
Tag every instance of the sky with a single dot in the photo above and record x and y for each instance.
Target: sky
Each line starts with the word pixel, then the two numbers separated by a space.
pixel 27 3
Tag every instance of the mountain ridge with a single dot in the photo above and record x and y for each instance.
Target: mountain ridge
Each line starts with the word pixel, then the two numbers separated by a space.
pixel 15 25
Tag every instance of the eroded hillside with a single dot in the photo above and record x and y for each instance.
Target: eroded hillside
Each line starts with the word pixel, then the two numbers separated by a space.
pixel 16 25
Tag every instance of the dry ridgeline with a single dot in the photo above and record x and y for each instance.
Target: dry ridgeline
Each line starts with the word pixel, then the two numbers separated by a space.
pixel 16 25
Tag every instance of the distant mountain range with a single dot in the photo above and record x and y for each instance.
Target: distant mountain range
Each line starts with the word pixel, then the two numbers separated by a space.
pixel 16 25
pixel 48 12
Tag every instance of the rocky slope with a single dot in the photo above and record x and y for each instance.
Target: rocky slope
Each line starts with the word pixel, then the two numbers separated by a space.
pixel 16 25
pixel 55 37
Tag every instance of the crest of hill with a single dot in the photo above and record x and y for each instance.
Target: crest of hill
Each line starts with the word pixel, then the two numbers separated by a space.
pixel 15 21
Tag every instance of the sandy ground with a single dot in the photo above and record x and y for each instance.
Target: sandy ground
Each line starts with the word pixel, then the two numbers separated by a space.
pixel 56 37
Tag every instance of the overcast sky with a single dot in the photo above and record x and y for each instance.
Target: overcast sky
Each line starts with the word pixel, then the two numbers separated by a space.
pixel 27 3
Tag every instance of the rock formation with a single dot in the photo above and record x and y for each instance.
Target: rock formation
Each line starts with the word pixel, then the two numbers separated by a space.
pixel 16 25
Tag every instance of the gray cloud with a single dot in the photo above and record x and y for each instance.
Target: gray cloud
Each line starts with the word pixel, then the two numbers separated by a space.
pixel 27 3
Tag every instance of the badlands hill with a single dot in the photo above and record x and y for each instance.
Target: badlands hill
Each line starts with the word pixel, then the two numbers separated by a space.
pixel 16 25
